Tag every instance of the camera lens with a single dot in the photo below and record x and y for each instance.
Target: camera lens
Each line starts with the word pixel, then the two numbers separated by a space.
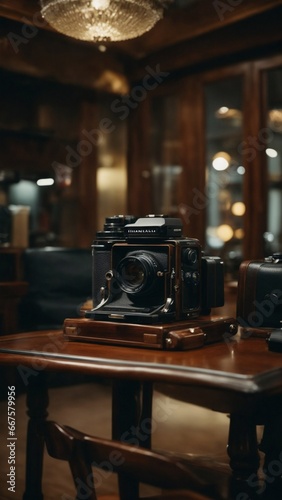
pixel 137 272
pixel 190 256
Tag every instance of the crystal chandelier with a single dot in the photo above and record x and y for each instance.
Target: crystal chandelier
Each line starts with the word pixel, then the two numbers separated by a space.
pixel 103 20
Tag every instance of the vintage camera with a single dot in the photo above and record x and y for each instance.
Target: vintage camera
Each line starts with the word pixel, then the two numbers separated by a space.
pixel 112 232
pixel 145 271
pixel 259 301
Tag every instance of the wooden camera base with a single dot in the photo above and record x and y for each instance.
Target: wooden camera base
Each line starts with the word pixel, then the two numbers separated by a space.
pixel 181 335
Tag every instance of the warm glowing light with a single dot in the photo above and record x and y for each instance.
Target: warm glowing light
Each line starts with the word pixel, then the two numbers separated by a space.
pixel 224 232
pixel 238 208
pixel 272 153
pixel 228 113
pixel 103 20
pixel 213 240
pixel 221 161
pixel 45 182
pixel 100 4
pixel 275 118
pixel 239 233
pixel 111 189
pixel 223 110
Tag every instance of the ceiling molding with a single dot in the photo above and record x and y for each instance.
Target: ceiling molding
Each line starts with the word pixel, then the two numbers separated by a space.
pixel 47 55
pixel 191 32
pixel 183 21
pixel 258 34
pixel 200 18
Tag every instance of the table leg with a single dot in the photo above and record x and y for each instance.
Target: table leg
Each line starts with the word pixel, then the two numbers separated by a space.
pixel 37 402
pixel 271 446
pixel 131 423
pixel 242 446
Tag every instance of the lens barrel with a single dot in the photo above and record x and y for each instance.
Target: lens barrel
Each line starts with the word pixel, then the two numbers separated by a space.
pixel 136 273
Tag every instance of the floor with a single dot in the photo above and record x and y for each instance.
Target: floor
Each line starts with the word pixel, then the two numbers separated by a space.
pixel 177 426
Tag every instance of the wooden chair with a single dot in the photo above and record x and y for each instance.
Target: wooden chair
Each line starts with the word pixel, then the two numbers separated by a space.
pixel 133 465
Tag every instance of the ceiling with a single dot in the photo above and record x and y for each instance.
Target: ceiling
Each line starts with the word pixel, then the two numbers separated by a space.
pixel 182 37
pixel 183 19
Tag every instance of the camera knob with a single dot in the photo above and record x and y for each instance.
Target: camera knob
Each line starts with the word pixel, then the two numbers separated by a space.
pixel 192 278
pixel 190 256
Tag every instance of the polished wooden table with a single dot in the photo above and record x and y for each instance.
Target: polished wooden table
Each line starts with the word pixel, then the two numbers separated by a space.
pixel 238 376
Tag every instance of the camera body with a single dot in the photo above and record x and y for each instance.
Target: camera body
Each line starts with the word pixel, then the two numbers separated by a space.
pixel 145 271
pixel 259 301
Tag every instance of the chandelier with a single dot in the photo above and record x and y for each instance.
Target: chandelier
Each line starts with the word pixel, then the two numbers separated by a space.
pixel 103 20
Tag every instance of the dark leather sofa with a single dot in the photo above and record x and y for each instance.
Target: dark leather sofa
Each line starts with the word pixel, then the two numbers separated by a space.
pixel 59 283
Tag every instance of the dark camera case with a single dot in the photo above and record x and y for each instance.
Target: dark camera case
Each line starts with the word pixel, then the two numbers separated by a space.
pixel 274 341
pixel 259 303
pixel 179 336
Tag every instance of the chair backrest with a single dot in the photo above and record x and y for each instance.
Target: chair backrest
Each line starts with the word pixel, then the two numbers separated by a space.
pixel 133 465
pixel 59 282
